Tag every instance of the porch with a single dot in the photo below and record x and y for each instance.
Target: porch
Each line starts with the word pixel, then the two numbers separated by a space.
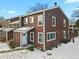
pixel 7 34
pixel 21 36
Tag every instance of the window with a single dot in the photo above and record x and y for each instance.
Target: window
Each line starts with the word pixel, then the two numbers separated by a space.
pixel 0 32
pixel 51 36
pixel 32 36
pixel 31 19
pixel 64 21
pixel 40 37
pixel 64 34
pixel 26 20
pixel 73 30
pixel 40 20
pixel 53 21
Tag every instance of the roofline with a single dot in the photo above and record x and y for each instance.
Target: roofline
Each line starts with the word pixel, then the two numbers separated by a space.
pixel 19 29
pixel 64 13
pixel 13 17
pixel 39 11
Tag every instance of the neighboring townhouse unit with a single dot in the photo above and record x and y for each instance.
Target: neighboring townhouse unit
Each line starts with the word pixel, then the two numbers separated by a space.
pixel 7 34
pixel 9 25
pixel 73 30
pixel 44 28
pixel 4 23
pixel 14 22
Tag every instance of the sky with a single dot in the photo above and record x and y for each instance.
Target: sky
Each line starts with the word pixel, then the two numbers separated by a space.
pixel 12 8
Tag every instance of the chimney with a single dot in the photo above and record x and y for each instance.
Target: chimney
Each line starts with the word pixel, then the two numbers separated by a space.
pixel 55 4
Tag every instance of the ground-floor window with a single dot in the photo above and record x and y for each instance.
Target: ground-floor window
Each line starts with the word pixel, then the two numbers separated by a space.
pixel 0 32
pixel 51 36
pixel 40 37
pixel 64 34
pixel 32 36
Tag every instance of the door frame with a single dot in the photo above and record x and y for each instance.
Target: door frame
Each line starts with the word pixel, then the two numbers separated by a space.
pixel 21 35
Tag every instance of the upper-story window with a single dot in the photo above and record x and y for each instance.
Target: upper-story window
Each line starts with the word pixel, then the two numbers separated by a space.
pixel 53 21
pixel 64 22
pixel 40 20
pixel 31 19
pixel 26 20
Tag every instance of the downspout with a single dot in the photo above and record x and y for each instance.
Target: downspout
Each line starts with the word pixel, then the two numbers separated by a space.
pixel 6 36
pixel 44 30
pixel 20 21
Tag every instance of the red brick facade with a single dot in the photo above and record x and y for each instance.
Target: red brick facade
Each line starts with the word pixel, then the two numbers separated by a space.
pixel 59 28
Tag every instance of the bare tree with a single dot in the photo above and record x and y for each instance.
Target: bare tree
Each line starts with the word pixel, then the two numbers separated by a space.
pixel 37 7
pixel 75 13
pixel 1 17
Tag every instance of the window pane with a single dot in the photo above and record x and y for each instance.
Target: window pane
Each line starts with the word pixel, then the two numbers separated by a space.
pixel 31 19
pixel 40 37
pixel 51 36
pixel 64 22
pixel 53 20
pixel 40 18
pixel 64 34
pixel 48 37
pixel 40 22
pixel 32 35
pixel 26 20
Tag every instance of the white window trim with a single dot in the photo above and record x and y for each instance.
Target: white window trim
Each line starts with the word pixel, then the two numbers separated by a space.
pixel 51 39
pixel 52 21
pixel 64 21
pixel 38 20
pixel 38 38
pixel 63 34
pixel 31 19
pixel 26 19
pixel 33 36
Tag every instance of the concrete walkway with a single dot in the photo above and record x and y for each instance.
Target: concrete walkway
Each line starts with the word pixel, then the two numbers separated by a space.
pixel 16 49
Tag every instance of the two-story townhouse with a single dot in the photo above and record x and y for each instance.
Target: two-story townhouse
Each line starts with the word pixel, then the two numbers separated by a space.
pixel 9 25
pixel 44 28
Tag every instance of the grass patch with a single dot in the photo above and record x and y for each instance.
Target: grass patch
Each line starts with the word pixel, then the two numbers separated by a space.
pixel 65 41
pixel 12 44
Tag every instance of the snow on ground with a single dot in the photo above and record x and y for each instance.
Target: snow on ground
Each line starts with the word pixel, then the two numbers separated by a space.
pixel 4 46
pixel 65 51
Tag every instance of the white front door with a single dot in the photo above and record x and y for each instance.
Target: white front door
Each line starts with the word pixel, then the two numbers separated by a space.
pixel 23 39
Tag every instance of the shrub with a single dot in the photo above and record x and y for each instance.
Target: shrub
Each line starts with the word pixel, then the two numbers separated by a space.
pixel 31 48
pixel 2 39
pixel 52 46
pixel 49 48
pixel 65 41
pixel 12 44
pixel 42 50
